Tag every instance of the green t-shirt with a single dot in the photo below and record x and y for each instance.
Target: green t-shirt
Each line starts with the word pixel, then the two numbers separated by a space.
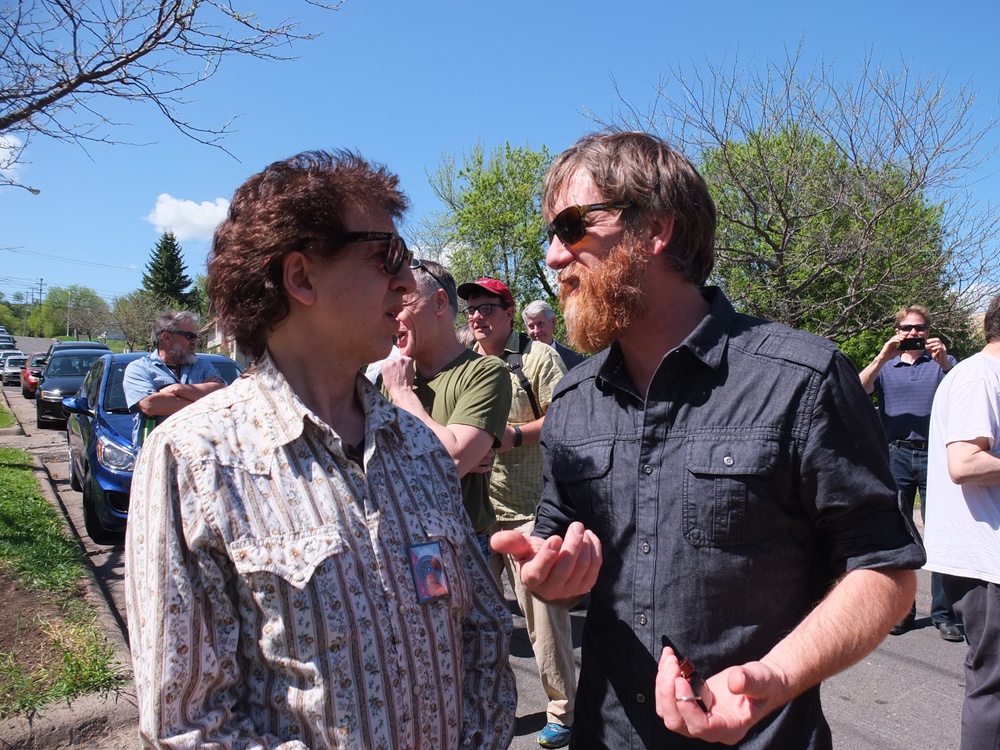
pixel 472 390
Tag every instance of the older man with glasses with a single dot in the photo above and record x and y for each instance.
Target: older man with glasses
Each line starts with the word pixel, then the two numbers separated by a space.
pixel 462 396
pixel 904 376
pixel 170 377
pixel 516 487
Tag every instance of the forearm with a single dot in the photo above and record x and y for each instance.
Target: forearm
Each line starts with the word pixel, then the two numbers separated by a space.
pixel 162 404
pixel 848 624
pixel 195 391
pixel 970 462
pixel 531 433
pixel 869 374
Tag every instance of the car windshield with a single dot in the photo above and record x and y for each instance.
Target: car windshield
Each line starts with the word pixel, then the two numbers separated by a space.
pixel 69 365
pixel 17 362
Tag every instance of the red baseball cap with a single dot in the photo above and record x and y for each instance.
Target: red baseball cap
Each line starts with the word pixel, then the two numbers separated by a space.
pixel 486 285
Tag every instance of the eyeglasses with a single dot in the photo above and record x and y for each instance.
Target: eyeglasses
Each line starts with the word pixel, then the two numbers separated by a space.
pixel 186 334
pixel 919 327
pixel 485 309
pixel 396 252
pixel 415 264
pixel 569 226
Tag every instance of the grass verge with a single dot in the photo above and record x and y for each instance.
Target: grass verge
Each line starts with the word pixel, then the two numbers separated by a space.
pixel 53 648
pixel 6 418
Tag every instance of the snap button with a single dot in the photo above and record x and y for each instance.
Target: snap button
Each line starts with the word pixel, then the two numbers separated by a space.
pixel 642 619
pixel 647 469
pixel 728 461
pixel 645 547
pixel 640 698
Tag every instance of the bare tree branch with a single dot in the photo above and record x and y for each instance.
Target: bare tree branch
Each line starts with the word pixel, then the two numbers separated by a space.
pixel 60 60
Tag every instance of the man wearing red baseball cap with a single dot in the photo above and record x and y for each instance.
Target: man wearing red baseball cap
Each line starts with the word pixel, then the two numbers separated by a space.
pixel 516 486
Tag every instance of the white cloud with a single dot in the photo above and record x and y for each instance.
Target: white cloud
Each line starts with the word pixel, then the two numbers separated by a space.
pixel 186 219
pixel 10 149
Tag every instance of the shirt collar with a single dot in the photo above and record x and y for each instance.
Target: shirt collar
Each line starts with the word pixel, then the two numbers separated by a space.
pixel 707 341
pixel 898 362
pixel 292 414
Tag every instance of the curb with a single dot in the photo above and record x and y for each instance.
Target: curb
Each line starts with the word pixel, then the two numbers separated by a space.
pixel 86 718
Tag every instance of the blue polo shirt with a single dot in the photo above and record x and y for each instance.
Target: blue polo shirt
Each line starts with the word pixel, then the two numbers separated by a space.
pixel 905 394
pixel 149 374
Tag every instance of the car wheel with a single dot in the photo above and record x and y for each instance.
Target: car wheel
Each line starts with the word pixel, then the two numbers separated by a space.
pixel 74 479
pixel 97 533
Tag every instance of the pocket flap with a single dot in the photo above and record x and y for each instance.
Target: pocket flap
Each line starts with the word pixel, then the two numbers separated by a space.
pixel 731 457
pixel 578 462
pixel 293 557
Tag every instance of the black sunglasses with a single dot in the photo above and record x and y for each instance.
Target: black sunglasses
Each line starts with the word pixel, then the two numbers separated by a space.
pixel 569 226
pixel 186 334
pixel 415 264
pixel 396 252
pixel 921 327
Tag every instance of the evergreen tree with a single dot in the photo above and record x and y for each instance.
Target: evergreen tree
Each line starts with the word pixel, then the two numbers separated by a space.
pixel 165 275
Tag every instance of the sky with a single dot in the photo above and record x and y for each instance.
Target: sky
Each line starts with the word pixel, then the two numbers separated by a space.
pixel 405 81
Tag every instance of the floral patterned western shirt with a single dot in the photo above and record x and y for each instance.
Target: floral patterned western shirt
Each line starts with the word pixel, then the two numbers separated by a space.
pixel 281 596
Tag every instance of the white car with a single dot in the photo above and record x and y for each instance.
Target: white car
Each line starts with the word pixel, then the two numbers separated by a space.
pixel 12 366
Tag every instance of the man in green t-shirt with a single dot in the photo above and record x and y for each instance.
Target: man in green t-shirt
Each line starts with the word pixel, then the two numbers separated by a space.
pixel 516 488
pixel 462 396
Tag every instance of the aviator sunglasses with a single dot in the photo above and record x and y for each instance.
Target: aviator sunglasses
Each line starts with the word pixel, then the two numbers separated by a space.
pixel 568 225
pixel 396 252
pixel 921 327
pixel 186 334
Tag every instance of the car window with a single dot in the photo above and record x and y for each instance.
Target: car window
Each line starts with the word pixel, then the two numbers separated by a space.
pixel 92 384
pixel 228 371
pixel 114 392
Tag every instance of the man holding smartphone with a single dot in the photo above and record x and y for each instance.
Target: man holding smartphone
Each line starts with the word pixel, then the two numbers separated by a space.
pixel 905 375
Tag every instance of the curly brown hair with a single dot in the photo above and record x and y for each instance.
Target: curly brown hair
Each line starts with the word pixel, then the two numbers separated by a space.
pixel 288 205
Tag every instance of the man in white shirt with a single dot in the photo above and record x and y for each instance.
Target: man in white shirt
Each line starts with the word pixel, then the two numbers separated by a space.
pixel 962 534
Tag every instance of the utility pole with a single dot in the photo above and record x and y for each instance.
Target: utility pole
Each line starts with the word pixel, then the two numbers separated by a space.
pixel 69 301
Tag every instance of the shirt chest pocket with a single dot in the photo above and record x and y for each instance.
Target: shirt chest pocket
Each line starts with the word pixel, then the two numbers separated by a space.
pixel 279 576
pixel 728 490
pixel 583 472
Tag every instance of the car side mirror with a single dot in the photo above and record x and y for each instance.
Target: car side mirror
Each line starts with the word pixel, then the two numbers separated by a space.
pixel 77 405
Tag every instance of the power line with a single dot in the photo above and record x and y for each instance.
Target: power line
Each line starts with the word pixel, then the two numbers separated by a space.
pixel 19 251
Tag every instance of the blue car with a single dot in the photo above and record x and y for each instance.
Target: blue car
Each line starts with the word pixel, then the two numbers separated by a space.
pixel 99 433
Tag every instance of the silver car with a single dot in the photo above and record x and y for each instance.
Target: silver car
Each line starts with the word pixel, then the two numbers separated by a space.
pixel 12 367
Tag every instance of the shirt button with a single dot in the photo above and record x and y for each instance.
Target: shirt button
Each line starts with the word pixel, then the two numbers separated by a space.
pixel 640 698
pixel 728 461
pixel 647 469
pixel 642 619
pixel 645 547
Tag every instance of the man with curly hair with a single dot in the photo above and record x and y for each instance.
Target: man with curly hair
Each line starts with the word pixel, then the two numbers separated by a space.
pixel 300 569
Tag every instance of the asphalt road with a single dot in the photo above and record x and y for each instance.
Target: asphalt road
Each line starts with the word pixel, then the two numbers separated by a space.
pixel 906 695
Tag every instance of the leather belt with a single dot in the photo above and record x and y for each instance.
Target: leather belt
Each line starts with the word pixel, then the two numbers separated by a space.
pixel 917 445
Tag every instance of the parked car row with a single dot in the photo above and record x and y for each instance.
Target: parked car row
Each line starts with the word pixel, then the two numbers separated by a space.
pixel 99 434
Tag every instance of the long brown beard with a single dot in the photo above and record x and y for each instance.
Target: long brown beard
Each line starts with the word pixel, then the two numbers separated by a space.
pixel 608 298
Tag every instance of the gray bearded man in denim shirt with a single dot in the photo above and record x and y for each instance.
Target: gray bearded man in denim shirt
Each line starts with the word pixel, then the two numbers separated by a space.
pixel 718 482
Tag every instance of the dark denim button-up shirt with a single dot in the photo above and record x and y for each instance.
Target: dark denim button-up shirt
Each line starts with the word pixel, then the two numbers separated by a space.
pixel 750 478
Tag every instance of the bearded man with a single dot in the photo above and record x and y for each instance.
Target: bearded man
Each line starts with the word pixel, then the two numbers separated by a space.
pixel 709 477
pixel 170 377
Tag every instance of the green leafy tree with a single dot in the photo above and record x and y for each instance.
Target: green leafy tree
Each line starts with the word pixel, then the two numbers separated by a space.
pixel 66 311
pixel 165 276
pixel 133 315
pixel 492 224
pixel 840 200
